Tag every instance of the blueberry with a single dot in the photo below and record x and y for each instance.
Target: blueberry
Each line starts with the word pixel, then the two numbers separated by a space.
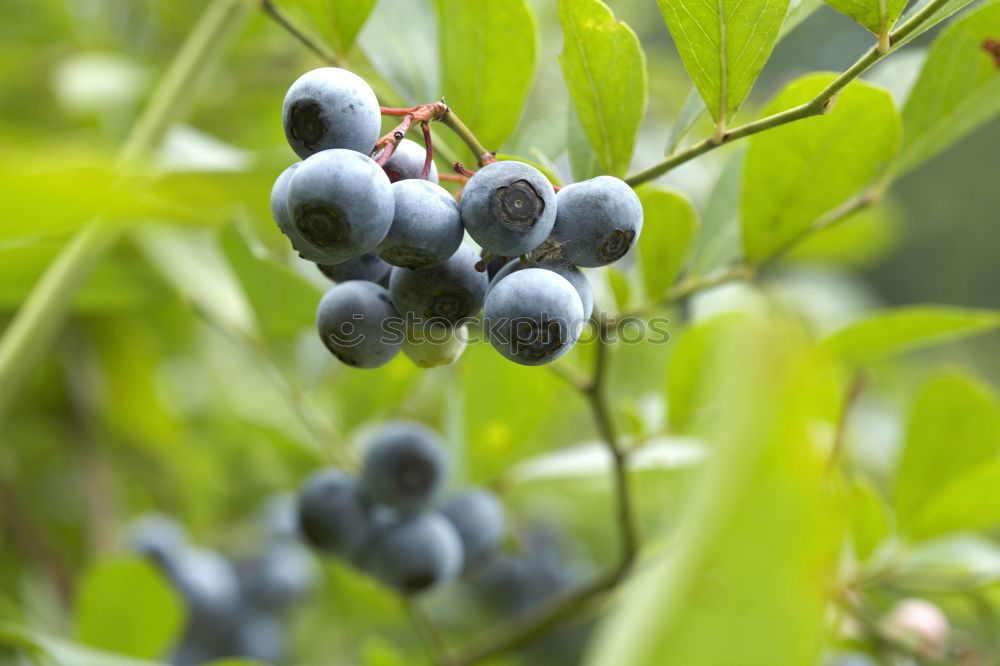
pixel 416 554
pixel 573 274
pixel 363 267
pixel 407 161
pixel 331 108
pixel 515 584
pixel 533 316
pixel 494 264
pixel 508 208
pixel 334 516
pixel 404 466
pixel 449 292
pixel 208 584
pixel 261 637
pixel 597 222
pixel 432 346
pixel 157 537
pixel 279 200
pixel 340 205
pixel 426 228
pixel 279 518
pixel 355 320
pixel 277 578
pixel 479 520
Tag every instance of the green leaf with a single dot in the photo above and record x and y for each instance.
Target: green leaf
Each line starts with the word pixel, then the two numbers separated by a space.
pixel 905 329
pixel 878 16
pixel 798 11
pixel 969 502
pixel 689 368
pixel 379 652
pixel 235 661
pixel 860 239
pixel 867 517
pixel 193 264
pixel 692 111
pixel 724 45
pixel 61 652
pixel 757 536
pixel 942 13
pixel 954 426
pixel 121 281
pixel 487 54
pixel 583 160
pixel 339 21
pixel 605 71
pixel 547 169
pixel 796 172
pixel 958 89
pixel 669 226
pixel 718 240
pixel 284 301
pixel 125 606
pixel 621 287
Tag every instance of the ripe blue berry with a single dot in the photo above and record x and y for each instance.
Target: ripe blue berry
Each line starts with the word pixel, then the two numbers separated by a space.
pixel 157 537
pixel 508 208
pixel 573 274
pixel 279 200
pixel 334 516
pixel 331 108
pixel 479 520
pixel 277 578
pixel 404 466
pixel 597 222
pixel 449 292
pixel 355 320
pixel 340 205
pixel 261 637
pixel 407 161
pixel 208 584
pixel 533 316
pixel 426 227
pixel 416 553
pixel 364 267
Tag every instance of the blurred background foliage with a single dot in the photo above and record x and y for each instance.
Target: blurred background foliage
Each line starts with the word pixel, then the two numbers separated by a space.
pixel 189 380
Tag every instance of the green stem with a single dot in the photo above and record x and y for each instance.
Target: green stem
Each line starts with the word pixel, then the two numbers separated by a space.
pixel 31 332
pixel 522 631
pixel 819 105
pixel 455 124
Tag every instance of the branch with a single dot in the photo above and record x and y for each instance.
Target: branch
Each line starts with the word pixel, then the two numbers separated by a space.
pixel 288 23
pixel 596 393
pixel 833 217
pixel 298 400
pixel 819 105
pixel 455 124
pixel 741 271
pixel 426 630
pixel 525 629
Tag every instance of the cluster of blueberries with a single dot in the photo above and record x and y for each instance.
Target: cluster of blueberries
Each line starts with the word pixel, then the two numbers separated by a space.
pixel 236 607
pixel 389 522
pixel 393 241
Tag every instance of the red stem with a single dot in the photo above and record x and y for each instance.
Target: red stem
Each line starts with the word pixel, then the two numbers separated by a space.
pixel 392 139
pixel 428 160
pixel 462 171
